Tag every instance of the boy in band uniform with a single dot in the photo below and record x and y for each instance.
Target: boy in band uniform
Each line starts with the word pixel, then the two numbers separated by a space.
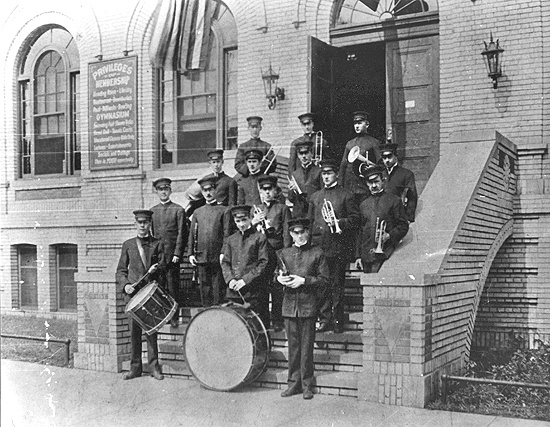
pixel 141 255
pixel 271 218
pixel 170 224
pixel 308 178
pixel 381 206
pixel 307 120
pixel 400 180
pixel 303 275
pixel 209 226
pixel 255 127
pixel 338 246
pixel 226 187
pixel 247 191
pixel 244 262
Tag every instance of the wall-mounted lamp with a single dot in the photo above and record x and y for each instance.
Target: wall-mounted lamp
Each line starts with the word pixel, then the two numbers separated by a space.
pixel 273 93
pixel 492 55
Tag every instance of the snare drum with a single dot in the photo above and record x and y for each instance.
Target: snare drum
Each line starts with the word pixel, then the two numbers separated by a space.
pixel 151 308
pixel 226 346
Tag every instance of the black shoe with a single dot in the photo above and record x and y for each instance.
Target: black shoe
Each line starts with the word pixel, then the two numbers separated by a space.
pixel 130 375
pixel 290 392
pixel 323 327
pixel 308 394
pixel 156 374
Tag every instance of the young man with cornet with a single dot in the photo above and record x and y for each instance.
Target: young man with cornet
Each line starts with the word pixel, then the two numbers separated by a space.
pixel 304 181
pixel 334 217
pixel 383 222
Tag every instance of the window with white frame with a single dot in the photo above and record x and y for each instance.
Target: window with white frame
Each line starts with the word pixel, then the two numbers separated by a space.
pixel 27 275
pixel 66 267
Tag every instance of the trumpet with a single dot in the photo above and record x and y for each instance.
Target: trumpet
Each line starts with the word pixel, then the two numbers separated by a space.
pixel 318 148
pixel 380 231
pixel 330 217
pixel 292 181
pixel 262 225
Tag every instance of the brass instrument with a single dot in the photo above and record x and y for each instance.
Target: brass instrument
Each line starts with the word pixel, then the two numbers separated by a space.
pixel 262 225
pixel 380 231
pixel 292 180
pixel 330 217
pixel 195 277
pixel 404 198
pixel 266 158
pixel 360 163
pixel 318 148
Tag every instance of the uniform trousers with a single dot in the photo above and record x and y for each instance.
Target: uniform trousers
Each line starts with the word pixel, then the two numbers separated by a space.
pixel 212 285
pixel 275 290
pixel 136 366
pixel 173 284
pixel 331 303
pixel 300 332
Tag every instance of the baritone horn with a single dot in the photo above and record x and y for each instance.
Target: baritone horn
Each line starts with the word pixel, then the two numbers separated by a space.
pixel 318 148
pixel 355 154
pixel 330 217
pixel 380 231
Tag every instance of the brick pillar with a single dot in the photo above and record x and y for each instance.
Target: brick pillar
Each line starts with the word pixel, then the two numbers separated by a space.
pixel 103 332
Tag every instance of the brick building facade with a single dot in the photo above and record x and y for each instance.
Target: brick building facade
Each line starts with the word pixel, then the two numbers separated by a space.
pixel 417 69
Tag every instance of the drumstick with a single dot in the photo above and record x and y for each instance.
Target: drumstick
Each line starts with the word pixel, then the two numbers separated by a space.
pixel 245 304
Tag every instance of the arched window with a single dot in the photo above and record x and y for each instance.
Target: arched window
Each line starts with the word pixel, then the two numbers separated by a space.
pixel 199 105
pixel 49 132
pixel 353 12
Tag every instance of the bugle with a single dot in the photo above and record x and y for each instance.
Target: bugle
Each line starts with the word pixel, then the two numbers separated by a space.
pixel 330 217
pixel 380 231
pixel 318 148
pixel 292 181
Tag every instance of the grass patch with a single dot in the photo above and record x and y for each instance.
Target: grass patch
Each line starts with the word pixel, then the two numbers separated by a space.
pixel 34 351
pixel 508 364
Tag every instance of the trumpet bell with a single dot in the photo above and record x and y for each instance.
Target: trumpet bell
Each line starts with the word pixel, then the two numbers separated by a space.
pixel 354 154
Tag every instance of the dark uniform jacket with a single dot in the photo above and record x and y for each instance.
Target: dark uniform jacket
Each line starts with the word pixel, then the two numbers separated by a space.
pixel 248 192
pixel 130 266
pixel 293 162
pixel 399 179
pixel 226 189
pixel 309 262
pixel 347 178
pixel 387 207
pixel 278 215
pixel 256 143
pixel 309 180
pixel 209 225
pixel 170 225
pixel 346 210
pixel 245 256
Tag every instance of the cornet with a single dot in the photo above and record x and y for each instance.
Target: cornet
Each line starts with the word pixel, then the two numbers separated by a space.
pixel 318 148
pixel 262 225
pixel 292 181
pixel 380 231
pixel 330 217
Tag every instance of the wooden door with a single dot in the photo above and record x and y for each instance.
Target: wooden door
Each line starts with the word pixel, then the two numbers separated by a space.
pixel 413 103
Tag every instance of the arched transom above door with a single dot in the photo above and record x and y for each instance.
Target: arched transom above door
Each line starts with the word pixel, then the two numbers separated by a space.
pixel 353 12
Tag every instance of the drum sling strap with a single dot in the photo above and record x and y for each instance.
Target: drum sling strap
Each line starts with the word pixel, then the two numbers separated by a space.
pixel 141 252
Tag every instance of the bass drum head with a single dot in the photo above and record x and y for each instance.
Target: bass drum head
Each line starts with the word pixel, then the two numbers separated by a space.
pixel 219 348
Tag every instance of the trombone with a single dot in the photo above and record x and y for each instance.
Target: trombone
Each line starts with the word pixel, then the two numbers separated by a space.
pixel 380 231
pixel 292 181
pixel 318 148
pixel 330 217
pixel 266 157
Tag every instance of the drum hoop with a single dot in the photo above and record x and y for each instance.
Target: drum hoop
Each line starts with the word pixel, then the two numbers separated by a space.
pixel 148 295
pixel 225 308
pixel 164 321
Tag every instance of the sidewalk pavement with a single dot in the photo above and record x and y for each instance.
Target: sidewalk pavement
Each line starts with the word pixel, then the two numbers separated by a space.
pixel 40 395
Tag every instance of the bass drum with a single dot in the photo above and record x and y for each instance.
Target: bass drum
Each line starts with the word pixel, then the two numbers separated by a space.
pixel 226 346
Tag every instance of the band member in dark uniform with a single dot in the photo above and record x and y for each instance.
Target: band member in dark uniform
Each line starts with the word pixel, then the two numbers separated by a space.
pixel 368 148
pixel 304 181
pixel 171 226
pixel 400 180
pixel 140 255
pixel 244 262
pixel 382 216
pixel 307 120
pixel 255 127
pixel 303 272
pixel 271 218
pixel 226 187
pixel 334 217
pixel 209 225
pixel 247 187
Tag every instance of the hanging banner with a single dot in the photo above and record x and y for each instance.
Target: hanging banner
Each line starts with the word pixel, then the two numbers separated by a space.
pixel 113 113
